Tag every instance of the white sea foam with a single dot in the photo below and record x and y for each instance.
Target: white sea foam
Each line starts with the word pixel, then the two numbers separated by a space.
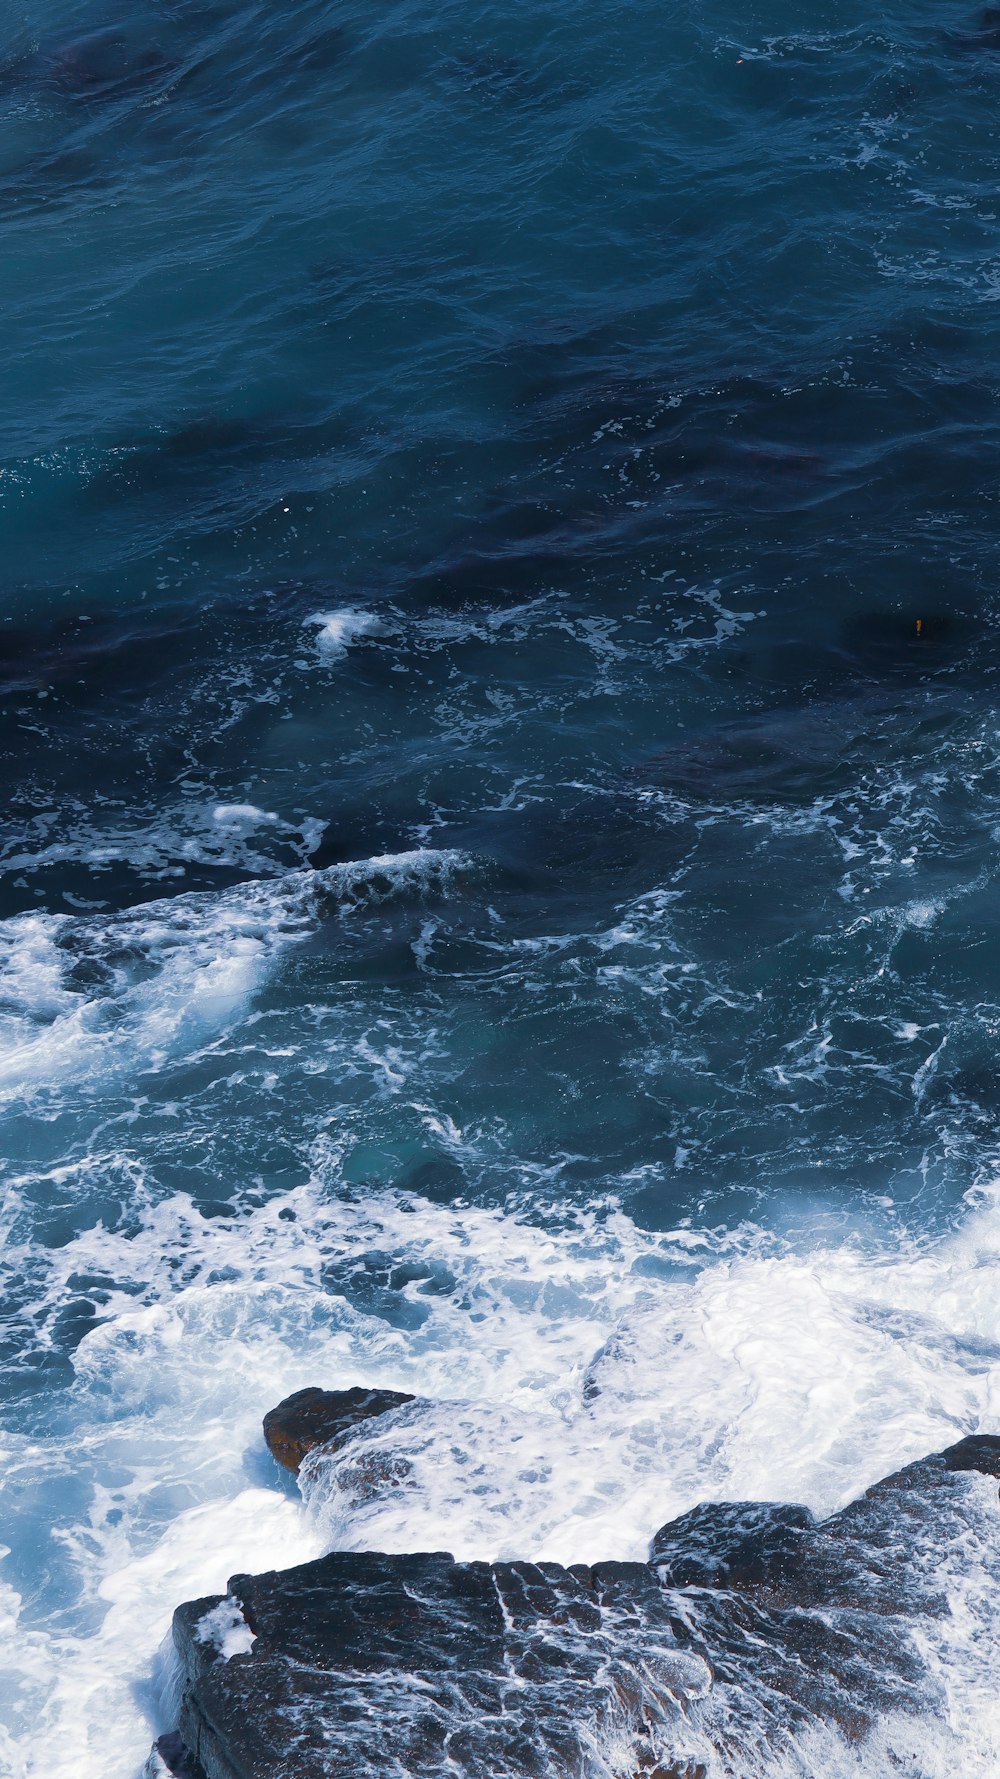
pixel 94 1702
pixel 161 844
pixel 226 1629
pixel 243 815
pixel 583 1381
pixel 88 995
pixel 337 631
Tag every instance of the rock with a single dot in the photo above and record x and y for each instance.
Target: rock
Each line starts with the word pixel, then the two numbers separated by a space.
pixel 366 1665
pixel 314 1417
pixel 170 1757
pixel 980 1451
pixel 753 1622
pixel 733 1544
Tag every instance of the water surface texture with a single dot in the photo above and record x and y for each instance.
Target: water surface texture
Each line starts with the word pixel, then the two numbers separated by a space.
pixel 499 546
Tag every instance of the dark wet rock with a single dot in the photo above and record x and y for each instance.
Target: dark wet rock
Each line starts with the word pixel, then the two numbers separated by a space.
pixel 314 1417
pixel 170 1756
pixel 368 1475
pixel 752 1620
pixel 368 1664
pixel 864 1557
pixel 733 1544
pixel 979 1451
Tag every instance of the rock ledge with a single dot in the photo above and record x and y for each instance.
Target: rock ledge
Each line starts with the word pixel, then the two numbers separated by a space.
pixel 751 1622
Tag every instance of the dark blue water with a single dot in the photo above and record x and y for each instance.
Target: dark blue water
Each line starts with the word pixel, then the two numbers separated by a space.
pixel 498 533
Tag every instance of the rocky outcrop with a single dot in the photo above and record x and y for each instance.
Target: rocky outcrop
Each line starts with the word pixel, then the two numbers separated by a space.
pixel 171 1760
pixel 314 1417
pixel 750 1623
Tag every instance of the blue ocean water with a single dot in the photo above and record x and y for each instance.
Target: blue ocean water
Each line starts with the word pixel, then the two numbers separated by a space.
pixel 499 541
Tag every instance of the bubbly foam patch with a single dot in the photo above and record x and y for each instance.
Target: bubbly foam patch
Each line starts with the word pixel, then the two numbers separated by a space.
pixel 337 631
pixel 225 1627
pixel 243 816
pixel 160 844
pixel 582 1381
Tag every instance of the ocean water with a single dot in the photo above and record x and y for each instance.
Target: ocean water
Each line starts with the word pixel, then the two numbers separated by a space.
pixel 499 535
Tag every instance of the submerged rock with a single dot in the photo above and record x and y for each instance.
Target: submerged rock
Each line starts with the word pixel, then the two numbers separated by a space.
pixel 314 1417
pixel 751 1623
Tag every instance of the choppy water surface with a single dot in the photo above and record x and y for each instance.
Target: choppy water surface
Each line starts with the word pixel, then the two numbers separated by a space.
pixel 500 563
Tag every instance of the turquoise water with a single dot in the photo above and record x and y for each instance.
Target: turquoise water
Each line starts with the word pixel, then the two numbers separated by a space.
pixel 499 548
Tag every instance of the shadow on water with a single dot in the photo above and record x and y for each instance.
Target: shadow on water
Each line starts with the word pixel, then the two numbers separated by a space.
pixel 104 65
pixel 153 92
pixel 981 34
pixel 123 651
pixel 886 684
